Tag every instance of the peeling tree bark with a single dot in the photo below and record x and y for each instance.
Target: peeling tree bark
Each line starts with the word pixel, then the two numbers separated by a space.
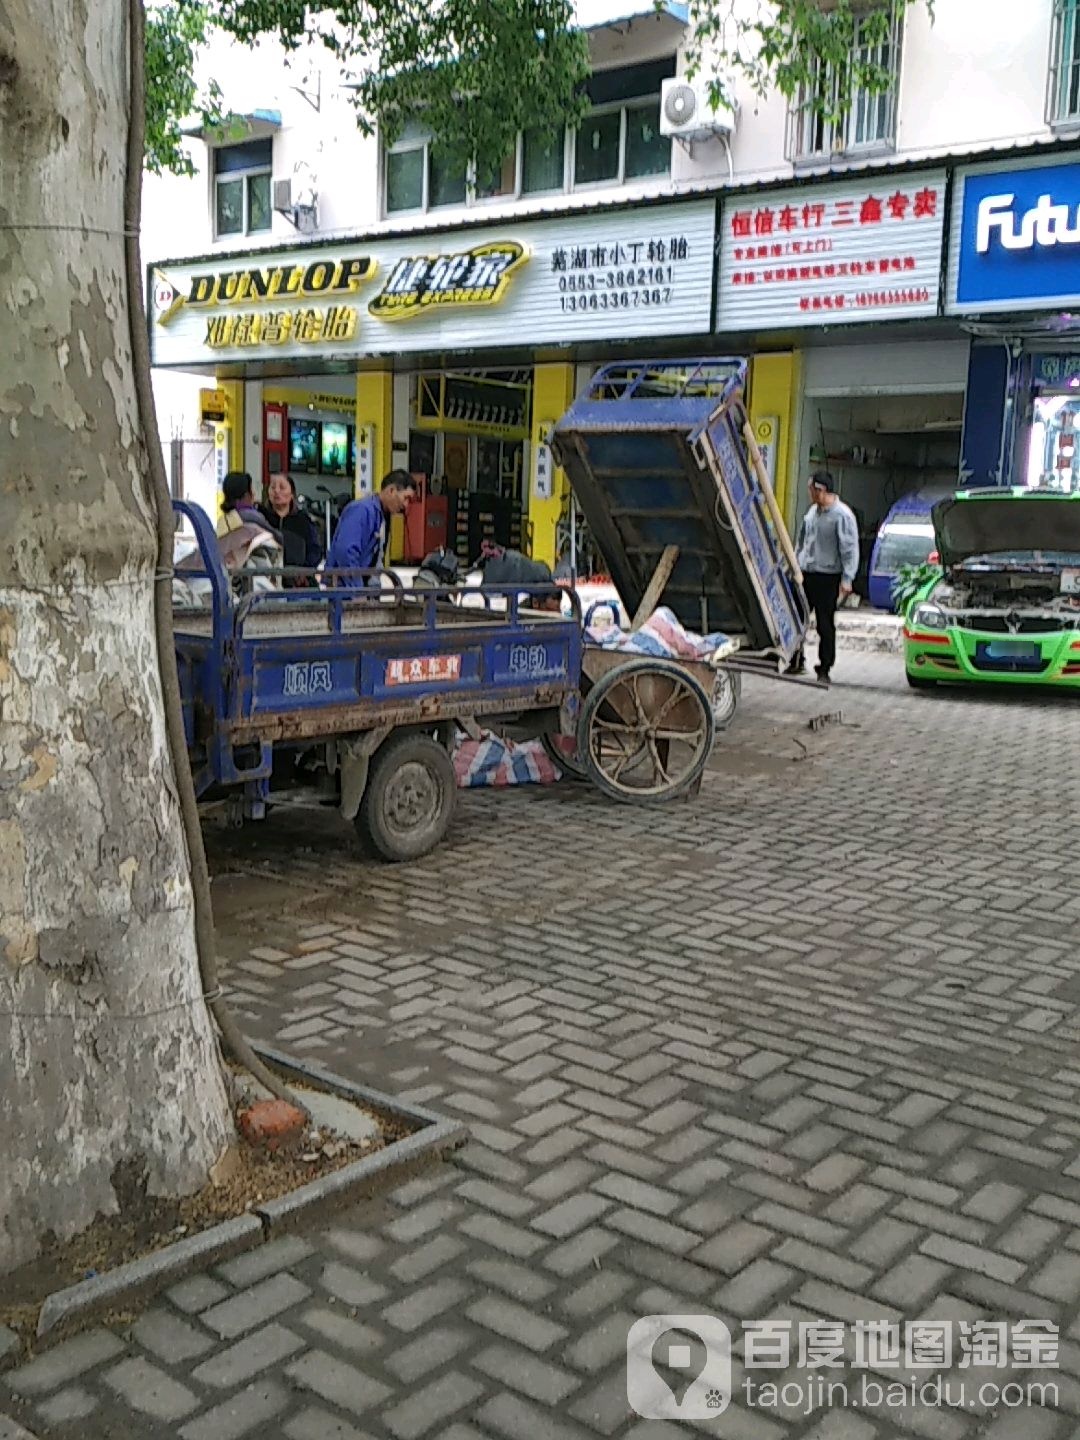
pixel 110 1075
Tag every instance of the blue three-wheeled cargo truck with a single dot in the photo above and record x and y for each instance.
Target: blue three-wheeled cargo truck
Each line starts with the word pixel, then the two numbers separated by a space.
pixel 356 694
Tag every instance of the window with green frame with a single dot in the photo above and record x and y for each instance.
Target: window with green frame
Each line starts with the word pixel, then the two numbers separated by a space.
pixel 1064 95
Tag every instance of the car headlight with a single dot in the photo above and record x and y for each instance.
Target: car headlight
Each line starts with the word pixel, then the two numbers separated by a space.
pixel 930 617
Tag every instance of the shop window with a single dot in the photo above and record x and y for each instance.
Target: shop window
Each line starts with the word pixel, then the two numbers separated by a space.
pixel 416 178
pixel 647 151
pixel 623 144
pixel 869 123
pixel 405 179
pixel 598 148
pixel 1063 106
pixel 242 180
pixel 447 181
pixel 543 162
pixel 503 183
pixel 619 140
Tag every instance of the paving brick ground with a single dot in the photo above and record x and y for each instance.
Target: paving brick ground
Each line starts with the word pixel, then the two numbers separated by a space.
pixel 805 1048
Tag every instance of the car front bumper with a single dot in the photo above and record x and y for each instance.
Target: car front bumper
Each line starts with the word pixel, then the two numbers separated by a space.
pixel 960 654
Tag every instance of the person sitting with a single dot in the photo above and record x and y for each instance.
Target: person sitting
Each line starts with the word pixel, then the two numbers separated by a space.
pixel 298 533
pixel 238 503
pixel 360 538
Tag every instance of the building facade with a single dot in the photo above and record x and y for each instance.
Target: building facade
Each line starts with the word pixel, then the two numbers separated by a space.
pixel 328 306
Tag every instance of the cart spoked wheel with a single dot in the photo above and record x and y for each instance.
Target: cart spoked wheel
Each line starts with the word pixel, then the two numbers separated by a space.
pixel 726 694
pixel 409 798
pixel 646 731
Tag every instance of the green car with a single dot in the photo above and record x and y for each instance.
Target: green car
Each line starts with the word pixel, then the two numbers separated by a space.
pixel 1006 605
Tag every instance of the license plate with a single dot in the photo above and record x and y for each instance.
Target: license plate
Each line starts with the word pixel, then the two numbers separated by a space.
pixel 423 668
pixel 1010 650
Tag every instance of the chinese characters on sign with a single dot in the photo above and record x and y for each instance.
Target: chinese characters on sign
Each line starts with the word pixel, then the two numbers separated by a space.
pixel 913 1345
pixel 620 276
pixel 278 327
pixel 597 275
pixel 315 678
pixel 528 660
pixel 423 668
pixel 1058 370
pixel 474 277
pixel 843 254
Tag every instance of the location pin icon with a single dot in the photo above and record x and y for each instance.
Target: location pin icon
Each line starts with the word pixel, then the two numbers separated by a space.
pixel 678 1358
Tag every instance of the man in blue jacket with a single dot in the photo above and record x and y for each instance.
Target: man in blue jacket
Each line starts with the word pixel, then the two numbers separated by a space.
pixel 360 537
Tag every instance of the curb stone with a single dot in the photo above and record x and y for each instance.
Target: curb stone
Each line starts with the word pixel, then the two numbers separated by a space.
pixel 139 1279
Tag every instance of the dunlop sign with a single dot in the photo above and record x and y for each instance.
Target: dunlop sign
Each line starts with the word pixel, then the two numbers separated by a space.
pixel 555 282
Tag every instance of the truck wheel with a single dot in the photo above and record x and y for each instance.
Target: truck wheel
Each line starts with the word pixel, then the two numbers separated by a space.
pixel 409 798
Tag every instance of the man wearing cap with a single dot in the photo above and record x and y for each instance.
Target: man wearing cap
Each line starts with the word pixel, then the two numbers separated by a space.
pixel 828 555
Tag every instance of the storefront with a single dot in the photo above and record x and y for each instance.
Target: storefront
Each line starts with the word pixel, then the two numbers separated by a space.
pixel 1014 278
pixel 450 354
pixel 853 268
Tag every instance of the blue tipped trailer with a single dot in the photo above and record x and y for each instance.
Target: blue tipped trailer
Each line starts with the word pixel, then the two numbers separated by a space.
pixel 665 468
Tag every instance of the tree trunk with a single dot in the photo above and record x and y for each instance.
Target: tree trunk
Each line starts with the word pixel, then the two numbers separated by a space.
pixel 110 1075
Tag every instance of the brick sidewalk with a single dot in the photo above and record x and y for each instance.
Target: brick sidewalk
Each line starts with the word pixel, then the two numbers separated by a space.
pixel 803 1048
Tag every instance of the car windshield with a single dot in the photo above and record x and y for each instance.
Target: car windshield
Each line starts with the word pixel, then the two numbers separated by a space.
pixel 909 544
pixel 1024 560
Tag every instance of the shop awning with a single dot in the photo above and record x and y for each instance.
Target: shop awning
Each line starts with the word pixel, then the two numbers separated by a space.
pixel 248 125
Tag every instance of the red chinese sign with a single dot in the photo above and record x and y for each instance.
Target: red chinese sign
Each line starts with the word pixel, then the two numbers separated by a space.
pixel 856 250
pixel 421 668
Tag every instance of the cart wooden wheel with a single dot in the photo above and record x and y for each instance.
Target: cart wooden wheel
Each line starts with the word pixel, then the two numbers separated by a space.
pixel 646 731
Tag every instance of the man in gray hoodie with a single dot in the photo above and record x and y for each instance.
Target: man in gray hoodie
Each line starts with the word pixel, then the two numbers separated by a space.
pixel 828 553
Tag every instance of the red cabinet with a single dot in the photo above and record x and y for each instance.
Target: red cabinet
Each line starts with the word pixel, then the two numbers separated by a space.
pixel 426 523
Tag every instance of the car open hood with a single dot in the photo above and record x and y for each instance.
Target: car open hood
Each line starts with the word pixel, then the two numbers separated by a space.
pixel 1004 524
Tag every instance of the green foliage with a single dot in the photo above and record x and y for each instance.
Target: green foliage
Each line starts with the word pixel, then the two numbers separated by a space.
pixel 479 71
pixel 804 49
pixel 910 582
pixel 175 32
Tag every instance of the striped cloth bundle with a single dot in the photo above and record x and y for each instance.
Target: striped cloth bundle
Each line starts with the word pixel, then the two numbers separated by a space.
pixel 661 635
pixel 490 761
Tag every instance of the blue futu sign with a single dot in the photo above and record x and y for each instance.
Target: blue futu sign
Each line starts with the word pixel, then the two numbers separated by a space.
pixel 1016 239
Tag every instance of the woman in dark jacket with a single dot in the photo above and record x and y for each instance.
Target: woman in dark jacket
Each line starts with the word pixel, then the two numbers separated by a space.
pixel 299 533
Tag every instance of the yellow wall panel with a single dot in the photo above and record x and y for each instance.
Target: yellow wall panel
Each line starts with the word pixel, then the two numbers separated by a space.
pixel 775 382
pixel 553 390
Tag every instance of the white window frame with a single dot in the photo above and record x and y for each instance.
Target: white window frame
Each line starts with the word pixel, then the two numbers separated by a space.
pixel 567 169
pixel 251 173
pixel 1066 14
pixel 402 147
pixel 637 103
pixel 573 184
pixel 473 197
pixel 837 137
pixel 473 200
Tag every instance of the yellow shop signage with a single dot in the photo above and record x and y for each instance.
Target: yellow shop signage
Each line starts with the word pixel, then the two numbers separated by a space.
pixel 321 279
pixel 418 283
pixel 297 302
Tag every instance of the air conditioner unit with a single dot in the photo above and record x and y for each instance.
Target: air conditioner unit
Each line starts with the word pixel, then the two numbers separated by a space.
pixel 687 113
pixel 298 201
